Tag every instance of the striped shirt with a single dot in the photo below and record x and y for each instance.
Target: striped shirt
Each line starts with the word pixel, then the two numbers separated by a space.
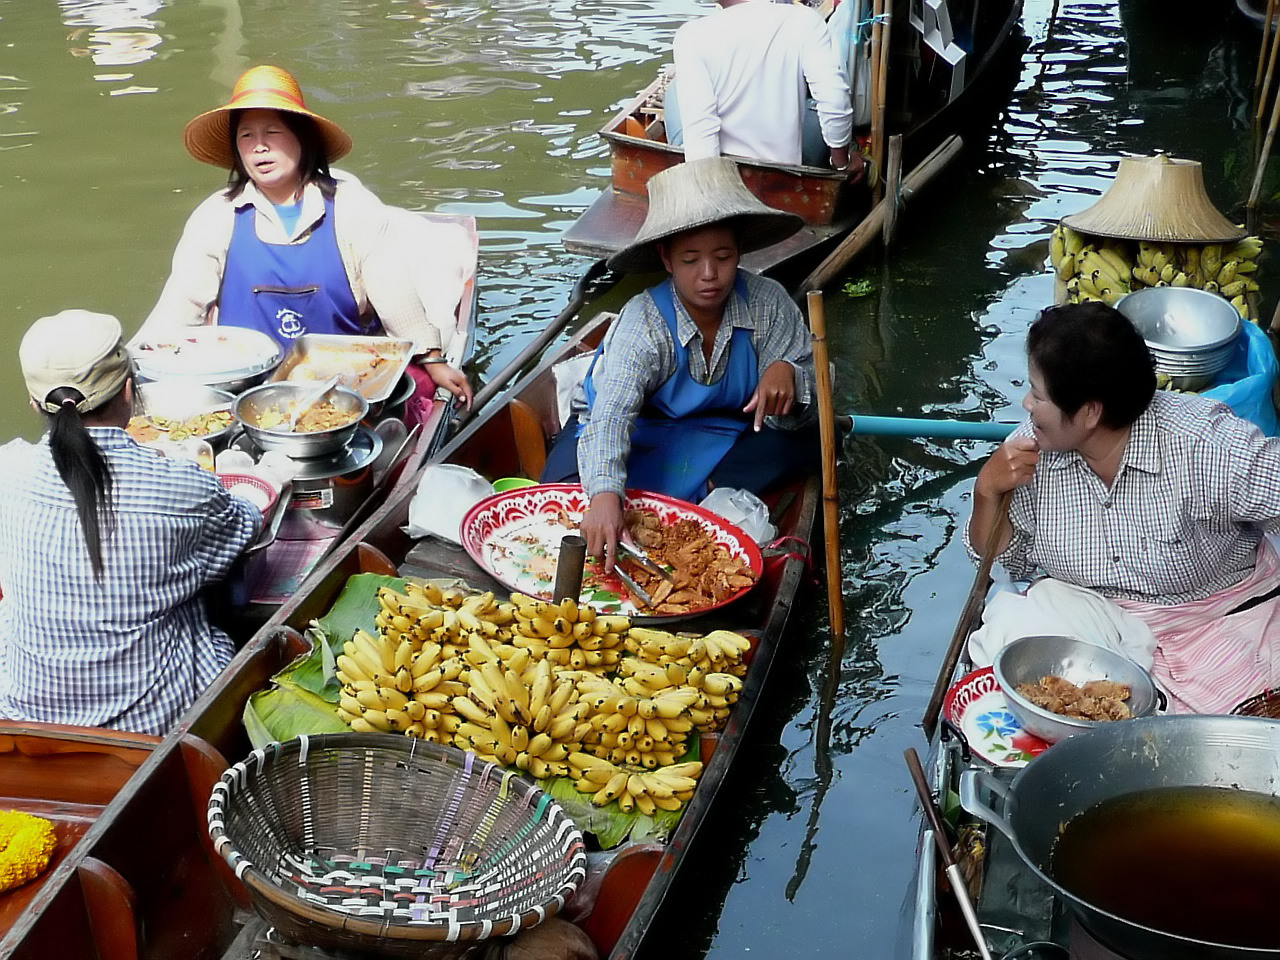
pixel 133 650
pixel 639 357
pixel 1196 491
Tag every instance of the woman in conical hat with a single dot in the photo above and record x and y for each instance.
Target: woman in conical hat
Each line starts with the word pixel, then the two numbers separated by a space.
pixel 699 378
pixel 289 248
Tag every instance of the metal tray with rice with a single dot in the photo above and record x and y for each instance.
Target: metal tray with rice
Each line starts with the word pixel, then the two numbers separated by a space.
pixel 227 358
pixel 372 366
pixel 1028 659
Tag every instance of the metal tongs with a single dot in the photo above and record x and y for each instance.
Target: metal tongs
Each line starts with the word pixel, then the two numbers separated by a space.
pixel 642 558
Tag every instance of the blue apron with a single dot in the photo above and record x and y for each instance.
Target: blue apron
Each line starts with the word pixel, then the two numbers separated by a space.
pixel 286 290
pixel 686 427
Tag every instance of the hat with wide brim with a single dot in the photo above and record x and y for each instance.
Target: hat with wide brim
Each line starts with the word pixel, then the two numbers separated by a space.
pixel 699 193
pixel 208 136
pixel 1158 199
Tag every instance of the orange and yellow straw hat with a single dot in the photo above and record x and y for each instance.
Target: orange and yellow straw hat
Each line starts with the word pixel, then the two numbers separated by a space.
pixel 208 136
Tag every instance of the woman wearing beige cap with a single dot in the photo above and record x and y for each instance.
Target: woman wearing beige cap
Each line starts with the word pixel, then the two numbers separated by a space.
pixel 105 548
pixel 699 380
pixel 288 248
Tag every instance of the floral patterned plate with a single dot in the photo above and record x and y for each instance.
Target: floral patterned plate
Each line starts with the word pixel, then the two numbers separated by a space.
pixel 975 705
pixel 516 535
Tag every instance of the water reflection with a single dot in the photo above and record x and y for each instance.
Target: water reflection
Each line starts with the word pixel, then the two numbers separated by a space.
pixel 113 33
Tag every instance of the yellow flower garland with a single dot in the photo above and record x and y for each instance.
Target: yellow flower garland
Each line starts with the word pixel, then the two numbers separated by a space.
pixel 26 844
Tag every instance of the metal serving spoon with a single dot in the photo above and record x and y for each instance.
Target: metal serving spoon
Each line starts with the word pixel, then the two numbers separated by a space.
pixel 309 401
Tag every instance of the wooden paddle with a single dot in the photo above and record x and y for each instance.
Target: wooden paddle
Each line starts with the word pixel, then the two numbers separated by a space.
pixel 830 487
pixel 977 594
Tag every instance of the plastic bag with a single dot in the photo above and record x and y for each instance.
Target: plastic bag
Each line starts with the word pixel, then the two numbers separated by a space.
pixel 446 492
pixel 743 508
pixel 1246 383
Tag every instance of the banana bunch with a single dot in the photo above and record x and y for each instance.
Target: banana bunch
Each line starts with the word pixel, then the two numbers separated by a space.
pixel 642 724
pixel 1228 271
pixel 1102 272
pixel 568 634
pixel 392 683
pixel 446 616
pixel 1064 245
pixel 665 788
pixel 520 712
pixel 720 651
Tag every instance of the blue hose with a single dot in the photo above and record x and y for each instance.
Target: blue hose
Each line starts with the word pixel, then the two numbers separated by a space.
pixel 920 427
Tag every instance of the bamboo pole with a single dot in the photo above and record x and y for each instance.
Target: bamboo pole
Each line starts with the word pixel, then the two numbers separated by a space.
pixel 1251 208
pixel 830 486
pixel 877 117
pixel 882 92
pixel 892 189
pixel 872 224
pixel 972 604
pixel 1262 86
pixel 1262 51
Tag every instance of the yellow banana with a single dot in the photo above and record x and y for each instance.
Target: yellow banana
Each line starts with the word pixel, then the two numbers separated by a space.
pixel 611 791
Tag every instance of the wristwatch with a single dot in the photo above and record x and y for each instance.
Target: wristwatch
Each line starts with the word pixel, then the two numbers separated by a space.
pixel 426 360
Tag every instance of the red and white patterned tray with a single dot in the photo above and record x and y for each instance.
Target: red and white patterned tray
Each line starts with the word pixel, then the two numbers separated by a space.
pixel 515 536
pixel 975 705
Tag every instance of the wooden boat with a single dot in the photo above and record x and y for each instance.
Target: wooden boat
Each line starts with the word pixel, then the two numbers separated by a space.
pixel 168 896
pixel 953 86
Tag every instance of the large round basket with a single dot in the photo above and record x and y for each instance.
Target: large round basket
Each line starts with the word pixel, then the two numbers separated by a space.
pixel 1265 704
pixel 387 845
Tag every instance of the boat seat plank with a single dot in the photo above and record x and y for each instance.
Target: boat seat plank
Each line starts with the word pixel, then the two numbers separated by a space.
pixel 112 907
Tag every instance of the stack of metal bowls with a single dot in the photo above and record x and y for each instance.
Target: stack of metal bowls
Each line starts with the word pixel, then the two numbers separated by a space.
pixel 1191 333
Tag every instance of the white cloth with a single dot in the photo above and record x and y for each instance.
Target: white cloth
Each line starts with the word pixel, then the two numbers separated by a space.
pixel 1053 608
pixel 446 492
pixel 742 73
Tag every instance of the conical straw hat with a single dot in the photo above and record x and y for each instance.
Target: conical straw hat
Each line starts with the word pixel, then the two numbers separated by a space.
pixel 208 136
pixel 1157 199
pixel 698 193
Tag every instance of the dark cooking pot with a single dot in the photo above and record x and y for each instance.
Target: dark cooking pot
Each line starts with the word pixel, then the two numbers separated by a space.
pixel 1074 775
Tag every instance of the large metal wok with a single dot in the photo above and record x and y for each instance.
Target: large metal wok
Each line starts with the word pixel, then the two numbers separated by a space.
pixel 1120 758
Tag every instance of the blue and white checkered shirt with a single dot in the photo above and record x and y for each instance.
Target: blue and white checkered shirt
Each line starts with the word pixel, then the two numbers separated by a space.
pixel 639 357
pixel 133 650
pixel 1197 489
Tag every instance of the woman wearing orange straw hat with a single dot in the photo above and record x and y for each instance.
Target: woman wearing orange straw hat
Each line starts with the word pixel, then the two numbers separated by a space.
pixel 288 248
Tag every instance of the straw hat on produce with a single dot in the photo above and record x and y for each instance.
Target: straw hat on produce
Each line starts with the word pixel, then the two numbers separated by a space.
pixel 1159 199
pixel 78 349
pixel 699 193
pixel 208 136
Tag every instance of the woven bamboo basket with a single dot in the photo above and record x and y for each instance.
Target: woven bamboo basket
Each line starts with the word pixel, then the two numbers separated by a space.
pixel 1265 704
pixel 385 845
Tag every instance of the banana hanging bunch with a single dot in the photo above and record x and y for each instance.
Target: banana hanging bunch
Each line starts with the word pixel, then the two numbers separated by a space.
pixel 1228 271
pixel 1162 265
pixel 666 788
pixel 1064 245
pixel 711 664
pixel 570 635
pixel 520 712
pixel 393 683
pixel 1102 273
pixel 642 724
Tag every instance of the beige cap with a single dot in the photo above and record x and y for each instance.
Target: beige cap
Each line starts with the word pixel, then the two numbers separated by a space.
pixel 78 349
pixel 698 193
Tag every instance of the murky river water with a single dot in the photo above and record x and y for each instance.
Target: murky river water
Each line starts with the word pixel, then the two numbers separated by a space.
pixel 492 109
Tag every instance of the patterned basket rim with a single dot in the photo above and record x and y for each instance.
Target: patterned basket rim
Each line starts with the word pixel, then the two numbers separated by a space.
pixel 259 882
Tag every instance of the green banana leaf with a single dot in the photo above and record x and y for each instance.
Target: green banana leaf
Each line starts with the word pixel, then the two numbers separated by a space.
pixel 608 823
pixel 284 712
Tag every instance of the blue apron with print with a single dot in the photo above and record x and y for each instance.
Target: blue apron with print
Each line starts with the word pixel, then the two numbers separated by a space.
pixel 687 427
pixel 286 290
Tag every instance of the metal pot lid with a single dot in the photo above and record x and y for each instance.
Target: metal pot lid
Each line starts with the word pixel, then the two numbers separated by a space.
pixel 360 453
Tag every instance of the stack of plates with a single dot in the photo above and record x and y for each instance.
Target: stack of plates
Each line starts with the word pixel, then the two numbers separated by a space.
pixel 1191 333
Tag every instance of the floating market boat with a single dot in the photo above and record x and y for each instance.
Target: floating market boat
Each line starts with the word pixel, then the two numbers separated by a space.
pixel 951 68
pixel 144 880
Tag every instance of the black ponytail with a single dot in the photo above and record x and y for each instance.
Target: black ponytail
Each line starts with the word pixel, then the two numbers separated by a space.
pixel 84 470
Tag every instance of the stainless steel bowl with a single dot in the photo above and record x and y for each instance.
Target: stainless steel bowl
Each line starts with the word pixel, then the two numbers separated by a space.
pixel 1191 333
pixel 281 397
pixel 1027 659
pixel 182 399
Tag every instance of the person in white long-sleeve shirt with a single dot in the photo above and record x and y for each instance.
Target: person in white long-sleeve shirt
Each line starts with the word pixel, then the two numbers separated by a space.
pixel 743 74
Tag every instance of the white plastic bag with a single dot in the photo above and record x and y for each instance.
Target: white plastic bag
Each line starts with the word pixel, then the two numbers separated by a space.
pixel 445 493
pixel 743 508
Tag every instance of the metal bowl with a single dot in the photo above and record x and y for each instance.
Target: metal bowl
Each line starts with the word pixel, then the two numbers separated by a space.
pixel 225 358
pixel 182 399
pixel 1027 659
pixel 1191 333
pixel 251 405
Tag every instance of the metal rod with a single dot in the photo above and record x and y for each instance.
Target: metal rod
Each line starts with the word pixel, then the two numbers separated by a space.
pixel 940 838
pixel 923 427
pixel 569 564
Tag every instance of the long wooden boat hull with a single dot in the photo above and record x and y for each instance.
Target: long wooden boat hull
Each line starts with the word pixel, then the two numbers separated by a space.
pixel 173 898
pixel 831 204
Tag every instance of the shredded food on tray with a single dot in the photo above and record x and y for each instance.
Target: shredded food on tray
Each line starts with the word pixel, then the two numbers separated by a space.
pixel 145 429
